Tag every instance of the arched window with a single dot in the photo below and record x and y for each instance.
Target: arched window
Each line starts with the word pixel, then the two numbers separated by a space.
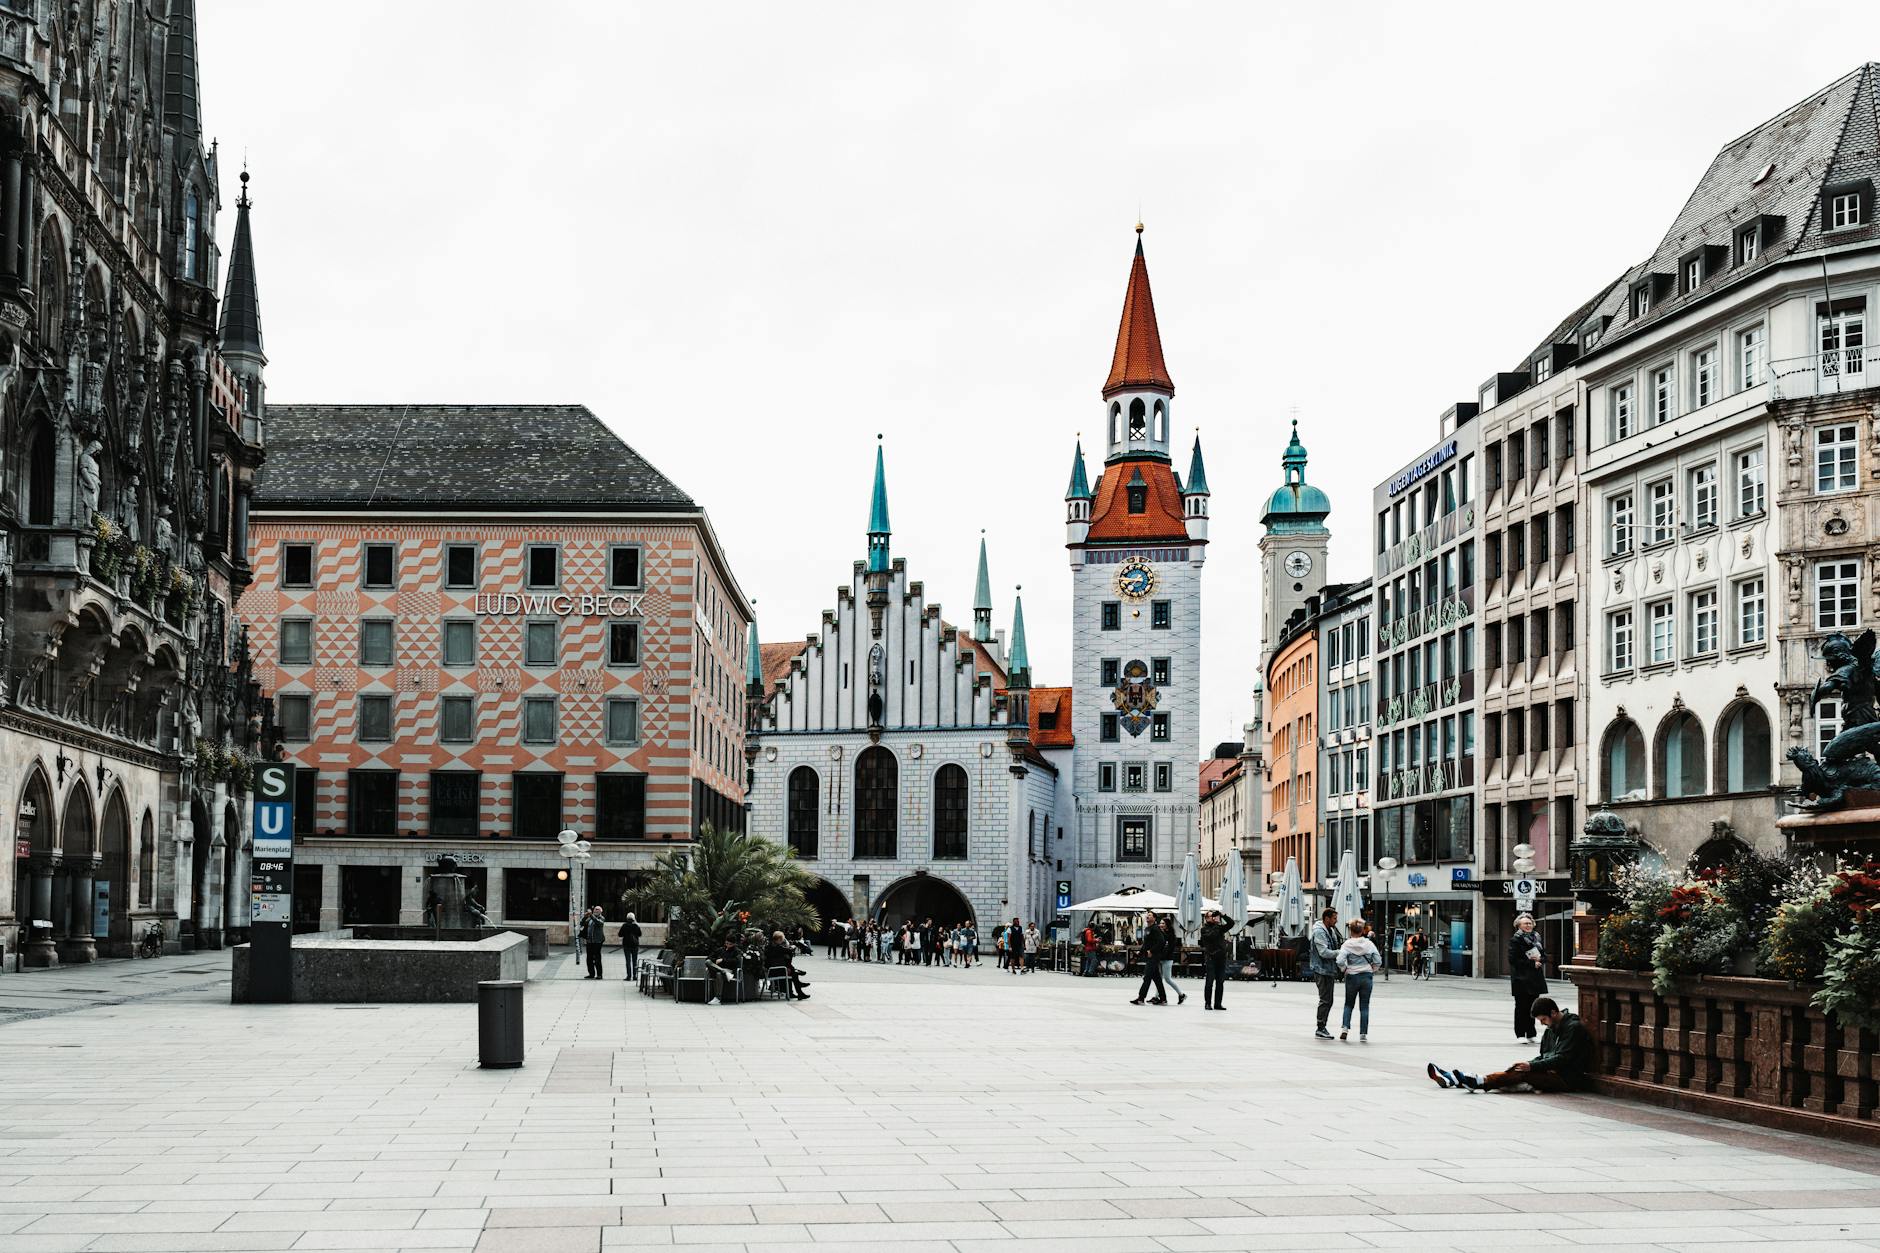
pixel 877 802
pixel 1623 753
pixel 1161 422
pixel 949 813
pixel 1744 742
pixel 51 290
pixel 1116 422
pixel 192 229
pixel 803 803
pixel 1680 753
pixel 1138 419
pixel 41 471
pixel 147 866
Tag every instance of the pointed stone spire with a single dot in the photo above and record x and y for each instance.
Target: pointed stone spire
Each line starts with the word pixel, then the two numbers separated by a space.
pixel 1019 668
pixel 1197 474
pixel 1137 362
pixel 878 531
pixel 1080 484
pixel 182 92
pixel 982 598
pixel 241 299
pixel 753 655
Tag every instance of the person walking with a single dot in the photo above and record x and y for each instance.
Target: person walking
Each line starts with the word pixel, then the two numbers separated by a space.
pixel 1322 963
pixel 1015 948
pixel 1033 940
pixel 1564 1064
pixel 630 944
pixel 1171 953
pixel 1214 933
pixel 1414 947
pixel 1359 959
pixel 1527 974
pixel 1089 966
pixel 594 940
pixel 1152 944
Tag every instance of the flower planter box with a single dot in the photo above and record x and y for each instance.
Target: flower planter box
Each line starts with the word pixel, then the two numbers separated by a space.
pixel 1750 1049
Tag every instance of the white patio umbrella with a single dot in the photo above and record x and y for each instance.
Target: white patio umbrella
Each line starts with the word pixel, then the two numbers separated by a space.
pixel 1348 900
pixel 1188 904
pixel 1234 892
pixel 1292 901
pixel 1132 903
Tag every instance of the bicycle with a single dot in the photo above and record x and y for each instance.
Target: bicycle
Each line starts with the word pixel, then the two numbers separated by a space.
pixel 150 943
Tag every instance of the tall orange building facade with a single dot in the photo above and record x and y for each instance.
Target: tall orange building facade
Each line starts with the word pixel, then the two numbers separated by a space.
pixel 1292 752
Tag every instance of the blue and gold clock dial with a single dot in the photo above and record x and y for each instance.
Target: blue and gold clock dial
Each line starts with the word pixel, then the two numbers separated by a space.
pixel 1135 580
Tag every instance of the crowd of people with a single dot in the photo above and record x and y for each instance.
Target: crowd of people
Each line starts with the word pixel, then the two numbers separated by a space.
pixel 924 942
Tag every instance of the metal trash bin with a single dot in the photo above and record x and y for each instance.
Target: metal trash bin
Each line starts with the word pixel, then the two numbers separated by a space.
pixel 499 1023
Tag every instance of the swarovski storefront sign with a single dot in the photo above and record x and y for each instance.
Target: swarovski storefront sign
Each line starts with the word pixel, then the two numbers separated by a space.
pixel 559 604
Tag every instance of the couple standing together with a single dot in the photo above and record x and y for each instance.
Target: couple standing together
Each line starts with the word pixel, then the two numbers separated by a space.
pixel 1356 960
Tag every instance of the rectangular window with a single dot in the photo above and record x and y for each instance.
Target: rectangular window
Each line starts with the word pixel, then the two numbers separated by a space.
pixel 1843 330
pixel 536 805
pixel 372 802
pixel 1159 671
pixel 1108 728
pixel 456 720
pixel 1664 511
pixel 623 722
pixel 1751 613
pixel 1642 301
pixel 1693 274
pixel 460 642
pixel 538 720
pixel 1160 615
pixel 1704 495
pixel 1749 482
pixel 1106 776
pixel 1837 595
pixel 1704 622
pixel 460 565
pixel 1748 244
pixel 1135 776
pixel 544 565
pixel 1110 671
pixel 623 643
pixel 623 566
pixel 538 643
pixel 1619 640
pixel 1517 548
pixel 1112 615
pixel 1624 417
pixel 1159 728
pixel 375 642
pixel 1619 524
pixel 295 713
pixel 1844 210
pixel 380 565
pixel 306 801
pixel 1703 377
pixel 1517 458
pixel 455 802
pixel 1132 839
pixel 620 806
pixel 297 641
pixel 1836 454
pixel 375 718
pixel 1664 632
pixel 1664 390
pixel 1164 777
pixel 296 565
pixel 1751 358
pixel 1827 722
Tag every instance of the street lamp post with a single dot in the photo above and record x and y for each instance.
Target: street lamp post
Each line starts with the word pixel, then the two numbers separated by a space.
pixel 1384 865
pixel 576 850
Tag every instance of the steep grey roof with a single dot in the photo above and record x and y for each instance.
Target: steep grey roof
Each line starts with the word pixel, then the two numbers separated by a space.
pixel 241 302
pixel 474 457
pixel 182 110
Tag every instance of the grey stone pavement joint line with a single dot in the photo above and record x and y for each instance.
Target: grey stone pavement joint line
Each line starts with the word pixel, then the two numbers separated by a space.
pixel 918 1110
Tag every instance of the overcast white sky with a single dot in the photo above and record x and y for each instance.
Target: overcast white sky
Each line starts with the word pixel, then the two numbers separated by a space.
pixel 750 236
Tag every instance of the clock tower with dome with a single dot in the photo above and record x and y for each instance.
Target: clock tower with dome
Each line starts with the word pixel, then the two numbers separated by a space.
pixel 1293 547
pixel 1137 537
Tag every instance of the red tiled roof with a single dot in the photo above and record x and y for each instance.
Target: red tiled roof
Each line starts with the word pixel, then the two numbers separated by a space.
pixel 983 659
pixel 1137 361
pixel 776 659
pixel 1052 700
pixel 1217 770
pixel 1110 517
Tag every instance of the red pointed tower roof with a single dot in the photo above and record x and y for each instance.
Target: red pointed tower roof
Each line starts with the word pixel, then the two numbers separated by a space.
pixel 1137 362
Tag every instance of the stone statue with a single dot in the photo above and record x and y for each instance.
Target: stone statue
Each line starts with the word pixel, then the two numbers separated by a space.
pixel 877 660
pixel 164 533
pixel 90 480
pixel 1849 759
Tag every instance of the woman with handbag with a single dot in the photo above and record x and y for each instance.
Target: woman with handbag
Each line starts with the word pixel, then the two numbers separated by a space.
pixel 1527 974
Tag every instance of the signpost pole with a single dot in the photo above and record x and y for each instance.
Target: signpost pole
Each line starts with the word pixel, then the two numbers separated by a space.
pixel 271 943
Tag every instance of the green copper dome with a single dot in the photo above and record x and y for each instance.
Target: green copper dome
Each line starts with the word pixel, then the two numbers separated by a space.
pixel 1297 506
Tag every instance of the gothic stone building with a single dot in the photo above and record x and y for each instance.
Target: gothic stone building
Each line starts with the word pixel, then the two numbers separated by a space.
pixel 132 428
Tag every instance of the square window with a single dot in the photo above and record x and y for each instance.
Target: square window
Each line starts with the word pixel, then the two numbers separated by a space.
pixel 380 565
pixel 536 805
pixel 1159 671
pixel 1109 672
pixel 1159 728
pixel 1160 615
pixel 297 641
pixel 375 642
pixel 1836 458
pixel 296 565
pixel 1106 777
pixel 460 565
pixel 295 713
pixel 538 644
pixel 456 797
pixel 620 806
pixel 1844 209
pixel 456 720
pixel 1837 595
pixel 375 718
pixel 1135 776
pixel 623 643
pixel 1132 839
pixel 1164 777
pixel 1112 611
pixel 460 642
pixel 623 566
pixel 1108 728
pixel 538 720
pixel 544 565
pixel 623 722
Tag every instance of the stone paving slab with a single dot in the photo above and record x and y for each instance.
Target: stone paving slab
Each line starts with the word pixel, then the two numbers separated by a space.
pixel 912 1110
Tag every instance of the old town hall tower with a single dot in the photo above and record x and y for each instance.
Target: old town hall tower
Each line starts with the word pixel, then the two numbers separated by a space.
pixel 1137 538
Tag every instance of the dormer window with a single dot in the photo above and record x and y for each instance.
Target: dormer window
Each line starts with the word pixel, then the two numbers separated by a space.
pixel 1748 244
pixel 1844 209
pixel 1136 492
pixel 1693 274
pixel 1543 368
pixel 1641 301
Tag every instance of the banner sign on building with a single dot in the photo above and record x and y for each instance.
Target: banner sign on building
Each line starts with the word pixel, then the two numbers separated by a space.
pixel 270 957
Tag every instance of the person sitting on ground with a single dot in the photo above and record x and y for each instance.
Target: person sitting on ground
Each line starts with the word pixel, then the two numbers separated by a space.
pixel 778 953
pixel 1564 1065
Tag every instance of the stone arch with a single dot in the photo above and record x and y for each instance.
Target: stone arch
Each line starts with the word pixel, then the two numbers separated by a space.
pixel 1678 756
pixel 1742 748
pixel 1622 760
pixel 1716 853
pixel 921 895
pixel 803 811
pixel 1138 419
pixel 41 827
pixel 1116 422
pixel 115 837
pixel 78 823
pixel 1158 429
pixel 828 901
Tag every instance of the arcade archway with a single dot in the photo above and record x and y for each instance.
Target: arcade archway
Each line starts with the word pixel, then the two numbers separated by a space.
pixel 923 896
pixel 829 903
pixel 114 877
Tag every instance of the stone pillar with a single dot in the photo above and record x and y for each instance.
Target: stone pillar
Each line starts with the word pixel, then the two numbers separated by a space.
pixel 41 950
pixel 209 916
pixel 410 895
pixel 235 893
pixel 493 906
pixel 183 875
pixel 79 945
pixel 329 897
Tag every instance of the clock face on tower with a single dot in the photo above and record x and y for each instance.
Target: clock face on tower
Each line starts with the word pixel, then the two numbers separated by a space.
pixel 1134 579
pixel 1298 563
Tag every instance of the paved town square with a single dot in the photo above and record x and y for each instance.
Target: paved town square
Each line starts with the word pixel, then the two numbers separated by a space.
pixel 923 1110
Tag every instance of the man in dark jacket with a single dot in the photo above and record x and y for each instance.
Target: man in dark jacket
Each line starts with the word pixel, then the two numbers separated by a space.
pixel 1564 1064
pixel 630 944
pixel 1214 933
pixel 777 954
pixel 1153 951
pixel 593 939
